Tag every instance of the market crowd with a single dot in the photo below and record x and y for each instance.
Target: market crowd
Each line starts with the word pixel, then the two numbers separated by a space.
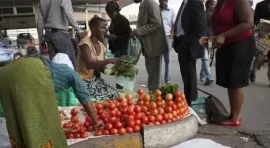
pixel 32 117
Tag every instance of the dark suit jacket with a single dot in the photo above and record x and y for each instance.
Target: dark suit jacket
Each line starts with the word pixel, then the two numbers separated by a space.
pixel 193 22
pixel 261 12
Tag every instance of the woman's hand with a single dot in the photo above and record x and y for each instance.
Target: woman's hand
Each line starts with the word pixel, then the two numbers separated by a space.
pixel 99 125
pixel 114 61
pixel 219 40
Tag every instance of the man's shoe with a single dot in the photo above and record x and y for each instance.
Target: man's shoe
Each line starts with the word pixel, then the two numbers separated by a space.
pixel 209 82
pixel 203 80
pixel 252 77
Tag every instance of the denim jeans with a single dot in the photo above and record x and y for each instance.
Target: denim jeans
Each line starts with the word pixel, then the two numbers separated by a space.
pixel 60 42
pixel 205 73
pixel 167 60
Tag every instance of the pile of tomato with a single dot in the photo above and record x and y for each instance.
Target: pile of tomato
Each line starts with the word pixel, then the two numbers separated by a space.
pixel 124 115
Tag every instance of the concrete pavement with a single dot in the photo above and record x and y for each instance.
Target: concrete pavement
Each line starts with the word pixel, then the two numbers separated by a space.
pixel 255 129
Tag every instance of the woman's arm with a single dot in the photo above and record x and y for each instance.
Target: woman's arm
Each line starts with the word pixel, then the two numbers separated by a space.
pixel 91 64
pixel 245 16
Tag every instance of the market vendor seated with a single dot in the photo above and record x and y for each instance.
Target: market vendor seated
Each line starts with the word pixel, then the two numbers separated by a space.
pixel 91 62
pixel 30 107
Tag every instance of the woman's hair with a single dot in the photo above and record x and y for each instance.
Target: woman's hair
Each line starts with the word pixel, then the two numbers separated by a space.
pixel 112 6
pixel 209 3
pixel 95 21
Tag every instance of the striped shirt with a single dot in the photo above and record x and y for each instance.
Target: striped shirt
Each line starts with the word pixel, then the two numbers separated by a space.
pixel 64 78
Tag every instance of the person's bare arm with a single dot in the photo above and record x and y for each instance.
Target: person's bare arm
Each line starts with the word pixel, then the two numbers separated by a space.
pixel 245 16
pixel 89 62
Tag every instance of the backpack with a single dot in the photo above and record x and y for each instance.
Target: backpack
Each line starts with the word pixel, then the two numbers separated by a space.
pixel 211 108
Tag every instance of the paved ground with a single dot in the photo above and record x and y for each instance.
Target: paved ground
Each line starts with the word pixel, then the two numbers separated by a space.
pixel 255 130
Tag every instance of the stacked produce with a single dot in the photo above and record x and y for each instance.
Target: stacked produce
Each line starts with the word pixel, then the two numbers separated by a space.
pixel 128 116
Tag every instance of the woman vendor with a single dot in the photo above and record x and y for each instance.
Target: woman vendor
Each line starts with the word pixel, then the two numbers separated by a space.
pixel 91 62
pixel 28 87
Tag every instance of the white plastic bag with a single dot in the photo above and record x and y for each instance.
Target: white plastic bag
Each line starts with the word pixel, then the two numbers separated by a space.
pixel 126 83
pixel 134 48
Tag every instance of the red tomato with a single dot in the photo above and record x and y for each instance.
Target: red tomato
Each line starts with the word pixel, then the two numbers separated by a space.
pixel 113 131
pixel 76 126
pixel 129 102
pixel 98 133
pixel 90 129
pixel 119 99
pixel 138 122
pixel 165 117
pixel 105 132
pixel 170 116
pixel 130 110
pixel 118 113
pixel 98 106
pixel 128 96
pixel 136 128
pixel 82 129
pixel 146 98
pixel 178 99
pixel 156 123
pixel 144 109
pixel 154 112
pixel 118 125
pixel 151 118
pixel 150 123
pixel 157 93
pixel 158 99
pixel 131 124
pixel 122 131
pixel 77 135
pixel 169 121
pixel 168 109
pixel 111 106
pixel 177 93
pixel 152 106
pixel 159 104
pixel 160 110
pixel 112 113
pixel 146 103
pixel 174 113
pixel 174 107
pixel 67 125
pixel 131 118
pixel 74 112
pixel 144 119
pixel 173 119
pixel 138 116
pixel 124 104
pixel 74 119
pixel 86 124
pixel 112 119
pixel 84 135
pixel 158 117
pixel 88 119
pixel 108 126
pixel 140 91
pixel 129 130
pixel 163 122
pixel 170 103
pixel 70 135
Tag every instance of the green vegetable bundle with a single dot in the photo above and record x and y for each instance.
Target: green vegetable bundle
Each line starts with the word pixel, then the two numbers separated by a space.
pixel 168 88
pixel 126 68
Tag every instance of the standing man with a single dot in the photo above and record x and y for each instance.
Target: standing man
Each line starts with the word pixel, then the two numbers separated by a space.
pixel 168 22
pixel 151 32
pixel 189 28
pixel 54 16
pixel 262 11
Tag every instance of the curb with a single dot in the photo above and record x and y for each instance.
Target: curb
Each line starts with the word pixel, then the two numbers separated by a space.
pixel 161 136
pixel 167 135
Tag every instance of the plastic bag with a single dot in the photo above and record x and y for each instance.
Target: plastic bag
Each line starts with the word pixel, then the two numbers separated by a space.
pixel 126 83
pixel 134 48
pixel 67 97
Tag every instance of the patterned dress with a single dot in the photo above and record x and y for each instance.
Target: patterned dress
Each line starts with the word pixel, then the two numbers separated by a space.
pixel 97 87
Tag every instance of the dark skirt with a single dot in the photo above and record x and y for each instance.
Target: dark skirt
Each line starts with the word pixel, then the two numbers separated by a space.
pixel 233 63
